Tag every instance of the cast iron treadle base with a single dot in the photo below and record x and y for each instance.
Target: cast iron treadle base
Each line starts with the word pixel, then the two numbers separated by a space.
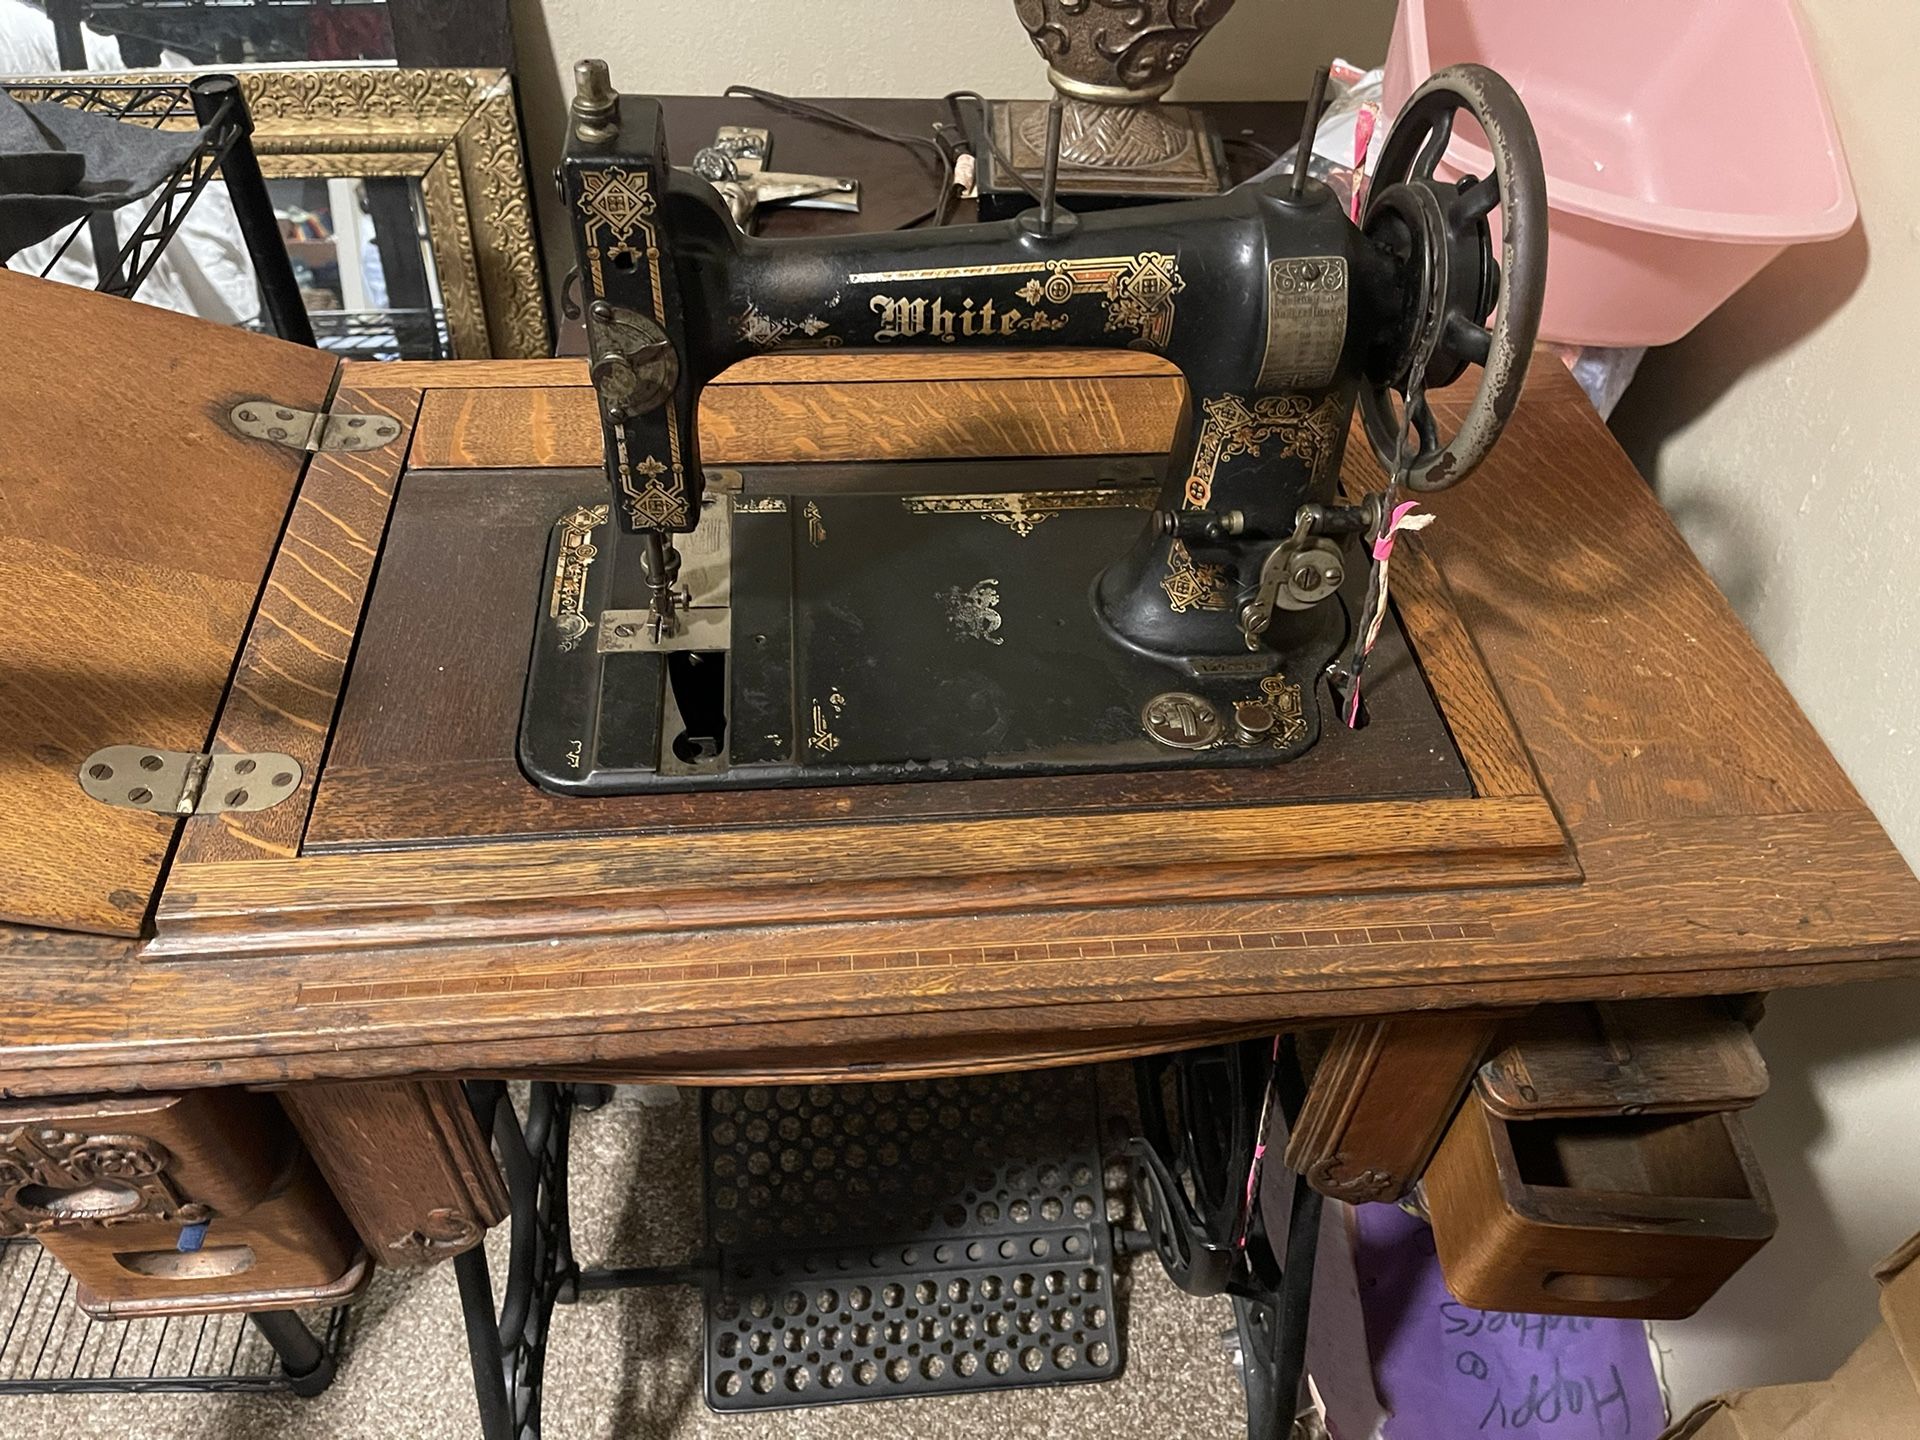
pixel 933 1237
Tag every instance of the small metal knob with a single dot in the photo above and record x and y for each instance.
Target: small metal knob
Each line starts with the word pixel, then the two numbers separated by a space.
pixel 1252 722
pixel 595 104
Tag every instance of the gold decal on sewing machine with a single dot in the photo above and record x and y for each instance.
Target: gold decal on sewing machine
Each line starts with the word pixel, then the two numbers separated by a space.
pixel 567 605
pixel 1283 702
pixel 770 332
pixel 816 525
pixel 650 504
pixel 1306 323
pixel 823 739
pixel 615 205
pixel 974 613
pixel 1191 585
pixel 912 318
pixel 1232 427
pixel 1023 513
pixel 760 505
pixel 1138 290
pixel 575 754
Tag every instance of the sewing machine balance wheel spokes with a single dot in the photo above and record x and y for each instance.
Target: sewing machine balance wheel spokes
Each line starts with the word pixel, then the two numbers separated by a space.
pixel 1442 229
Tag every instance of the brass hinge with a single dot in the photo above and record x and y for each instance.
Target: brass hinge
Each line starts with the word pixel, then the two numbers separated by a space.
pixel 184 782
pixel 312 430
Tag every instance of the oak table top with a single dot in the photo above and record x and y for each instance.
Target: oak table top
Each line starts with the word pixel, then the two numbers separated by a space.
pixel 1651 813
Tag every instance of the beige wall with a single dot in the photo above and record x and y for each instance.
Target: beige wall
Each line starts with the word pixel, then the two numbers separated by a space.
pixel 1782 435
pixel 1265 49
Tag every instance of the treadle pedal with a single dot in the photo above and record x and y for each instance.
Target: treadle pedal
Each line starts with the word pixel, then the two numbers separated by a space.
pixel 918 1238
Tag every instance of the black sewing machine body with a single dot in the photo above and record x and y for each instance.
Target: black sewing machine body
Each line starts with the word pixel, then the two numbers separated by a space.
pixel 935 621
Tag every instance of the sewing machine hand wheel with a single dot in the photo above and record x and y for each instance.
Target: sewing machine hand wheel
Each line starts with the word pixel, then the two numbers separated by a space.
pixel 1440 231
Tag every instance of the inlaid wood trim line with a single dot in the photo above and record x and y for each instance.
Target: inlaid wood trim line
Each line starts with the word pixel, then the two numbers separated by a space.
pixel 945 958
pixel 293 665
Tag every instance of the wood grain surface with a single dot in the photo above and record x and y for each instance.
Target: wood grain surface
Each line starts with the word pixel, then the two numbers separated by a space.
pixel 801 421
pixel 411 1167
pixel 1641 1218
pixel 135 529
pixel 288 682
pixel 1382 1098
pixel 1718 847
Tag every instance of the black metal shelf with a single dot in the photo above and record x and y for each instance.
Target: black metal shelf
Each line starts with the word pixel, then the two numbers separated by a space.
pixel 49 1346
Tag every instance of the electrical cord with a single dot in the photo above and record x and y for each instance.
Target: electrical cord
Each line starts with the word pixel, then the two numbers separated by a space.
pixel 920 145
pixel 953 99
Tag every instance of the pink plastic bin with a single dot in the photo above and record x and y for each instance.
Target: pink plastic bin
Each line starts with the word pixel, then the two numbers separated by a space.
pixel 1686 145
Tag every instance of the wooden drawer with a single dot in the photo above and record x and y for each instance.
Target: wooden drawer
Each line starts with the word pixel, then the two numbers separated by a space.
pixel 106 1160
pixel 118 1189
pixel 294 1247
pixel 1641 1216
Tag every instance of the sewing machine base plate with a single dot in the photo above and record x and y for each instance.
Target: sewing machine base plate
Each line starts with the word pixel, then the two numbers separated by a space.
pixel 870 638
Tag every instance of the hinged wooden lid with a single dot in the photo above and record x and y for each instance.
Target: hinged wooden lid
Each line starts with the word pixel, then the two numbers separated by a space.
pixel 135 530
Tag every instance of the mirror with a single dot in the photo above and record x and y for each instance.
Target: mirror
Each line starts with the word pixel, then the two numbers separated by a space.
pixel 402 195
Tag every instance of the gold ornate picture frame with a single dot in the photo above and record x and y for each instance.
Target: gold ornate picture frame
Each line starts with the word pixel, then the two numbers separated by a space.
pixel 454 131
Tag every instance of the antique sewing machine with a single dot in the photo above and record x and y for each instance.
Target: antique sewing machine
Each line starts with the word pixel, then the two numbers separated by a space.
pixel 701 632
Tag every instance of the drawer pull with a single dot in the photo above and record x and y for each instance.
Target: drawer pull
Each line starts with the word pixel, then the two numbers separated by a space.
pixel 213 1262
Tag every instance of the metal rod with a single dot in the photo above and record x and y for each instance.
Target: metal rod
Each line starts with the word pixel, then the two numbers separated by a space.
pixel 633 1277
pixel 485 1351
pixel 253 209
pixel 1050 176
pixel 1303 154
pixel 308 1366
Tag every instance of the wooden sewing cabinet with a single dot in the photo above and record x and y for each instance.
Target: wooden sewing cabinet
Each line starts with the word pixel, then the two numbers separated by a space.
pixel 261 1015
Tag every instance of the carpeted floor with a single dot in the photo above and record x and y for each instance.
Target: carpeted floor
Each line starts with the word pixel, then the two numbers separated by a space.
pixel 625 1365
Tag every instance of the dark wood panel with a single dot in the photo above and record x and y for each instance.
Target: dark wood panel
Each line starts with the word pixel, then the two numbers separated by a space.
pixel 135 528
pixel 1635 1057
pixel 425 747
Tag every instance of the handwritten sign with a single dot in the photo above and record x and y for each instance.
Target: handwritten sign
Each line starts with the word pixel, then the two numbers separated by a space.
pixel 1446 1371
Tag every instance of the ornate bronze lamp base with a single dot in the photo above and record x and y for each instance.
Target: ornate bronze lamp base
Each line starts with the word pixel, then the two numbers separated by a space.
pixel 1111 60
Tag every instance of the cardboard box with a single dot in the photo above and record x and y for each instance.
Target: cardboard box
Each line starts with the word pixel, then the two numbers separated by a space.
pixel 1875 1395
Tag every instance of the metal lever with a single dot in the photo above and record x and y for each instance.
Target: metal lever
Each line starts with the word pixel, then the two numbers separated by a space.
pixel 1309 127
pixel 1050 177
pixel 1298 573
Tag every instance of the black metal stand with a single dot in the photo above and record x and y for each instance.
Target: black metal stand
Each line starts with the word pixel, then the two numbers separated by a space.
pixel 509 1347
pixel 216 103
pixel 1200 1118
pixel 1200 1114
pixel 308 1364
